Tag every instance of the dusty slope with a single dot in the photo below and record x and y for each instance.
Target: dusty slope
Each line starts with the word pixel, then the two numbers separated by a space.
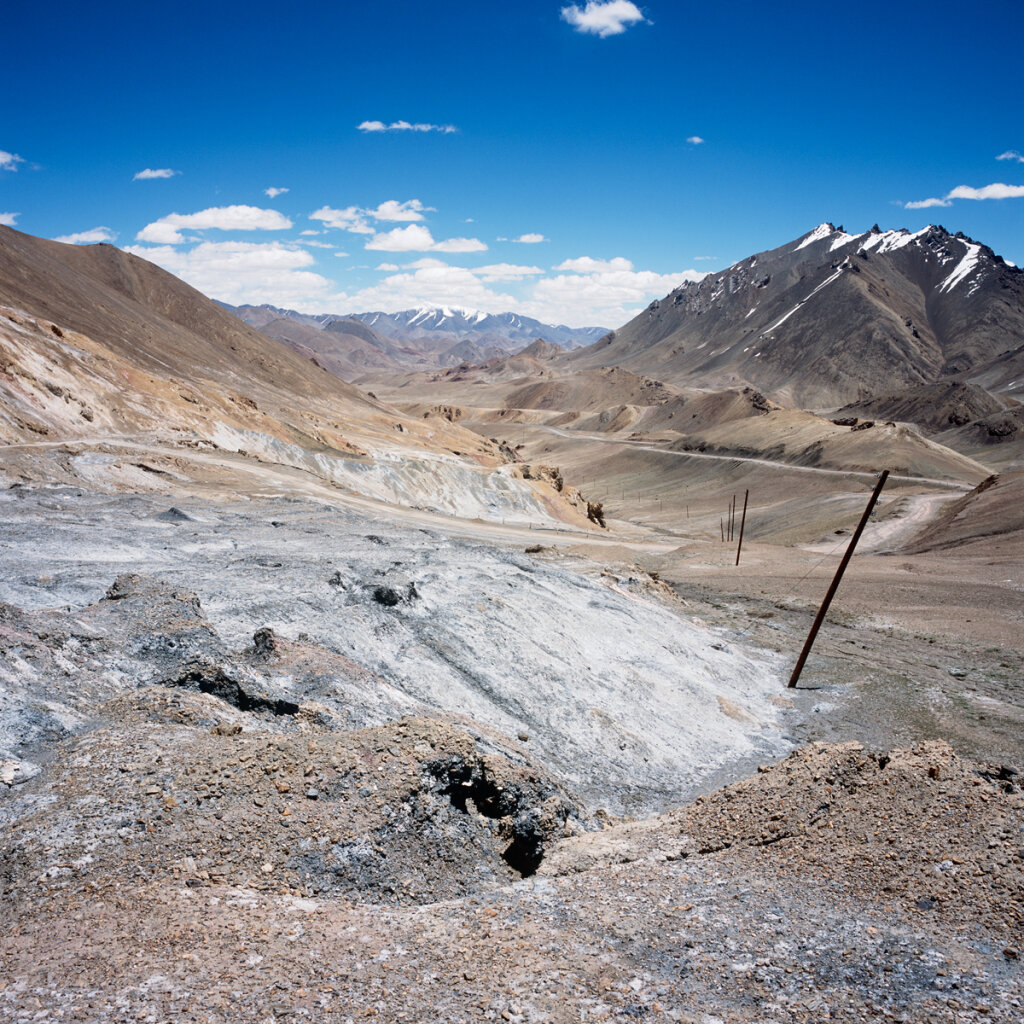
pixel 991 512
pixel 96 344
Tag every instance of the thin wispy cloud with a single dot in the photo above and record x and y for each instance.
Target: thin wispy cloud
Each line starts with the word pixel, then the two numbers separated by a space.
pixel 151 174
pixel 603 19
pixel 9 161
pixel 167 230
pixel 530 238
pixel 695 140
pixel 274 192
pixel 926 204
pixel 1011 154
pixel 405 126
pixel 9 219
pixel 89 237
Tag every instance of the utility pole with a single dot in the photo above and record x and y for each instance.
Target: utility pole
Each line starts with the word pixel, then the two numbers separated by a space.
pixel 820 617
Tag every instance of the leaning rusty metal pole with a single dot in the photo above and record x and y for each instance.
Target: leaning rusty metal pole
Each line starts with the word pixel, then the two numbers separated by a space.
pixel 822 611
pixel 743 522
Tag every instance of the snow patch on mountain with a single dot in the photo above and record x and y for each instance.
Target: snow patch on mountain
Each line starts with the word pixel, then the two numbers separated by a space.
pixel 820 232
pixel 966 265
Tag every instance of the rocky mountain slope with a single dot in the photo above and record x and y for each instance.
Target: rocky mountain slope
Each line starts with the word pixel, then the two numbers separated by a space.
pixel 833 318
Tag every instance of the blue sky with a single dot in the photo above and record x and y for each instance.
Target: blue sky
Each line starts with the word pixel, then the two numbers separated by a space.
pixel 572 161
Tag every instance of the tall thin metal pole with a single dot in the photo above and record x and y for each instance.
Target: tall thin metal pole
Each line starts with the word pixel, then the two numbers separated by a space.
pixel 743 522
pixel 820 617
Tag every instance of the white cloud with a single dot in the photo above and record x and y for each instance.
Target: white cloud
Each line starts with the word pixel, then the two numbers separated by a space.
pixel 587 265
pixel 459 245
pixel 387 267
pixel 9 219
pixel 350 219
pixel 406 126
pixel 149 174
pixel 414 237
pixel 925 204
pixel 165 231
pixel 605 19
pixel 88 237
pixel 357 219
pixel 245 272
pixel 531 238
pixel 315 243
pixel 424 263
pixel 1011 154
pixel 506 272
pixel 995 191
pixel 9 161
pixel 608 296
pixel 431 286
pixel 310 231
pixel 695 140
pixel 274 192
pixel 393 210
pixel 417 238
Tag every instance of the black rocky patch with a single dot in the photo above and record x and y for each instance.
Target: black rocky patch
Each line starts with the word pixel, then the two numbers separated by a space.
pixel 214 680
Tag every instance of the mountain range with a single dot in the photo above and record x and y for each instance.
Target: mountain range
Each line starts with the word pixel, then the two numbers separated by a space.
pixel 421 338
pixel 833 318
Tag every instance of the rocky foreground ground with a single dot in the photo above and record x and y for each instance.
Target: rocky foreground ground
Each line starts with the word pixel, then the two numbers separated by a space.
pixel 203 823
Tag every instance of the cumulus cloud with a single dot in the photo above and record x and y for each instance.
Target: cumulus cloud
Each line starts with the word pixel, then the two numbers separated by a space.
pixel 406 126
pixel 600 292
pixel 603 19
pixel 695 140
pixel 417 238
pixel 587 265
pixel 88 237
pixel 9 161
pixel 1011 154
pixel 387 267
pixel 274 192
pixel 166 230
pixel 148 174
pixel 9 219
pixel 997 190
pixel 351 218
pixel 436 285
pixel 530 238
pixel 424 263
pixel 925 204
pixel 245 272
pixel 393 210
pixel 506 272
